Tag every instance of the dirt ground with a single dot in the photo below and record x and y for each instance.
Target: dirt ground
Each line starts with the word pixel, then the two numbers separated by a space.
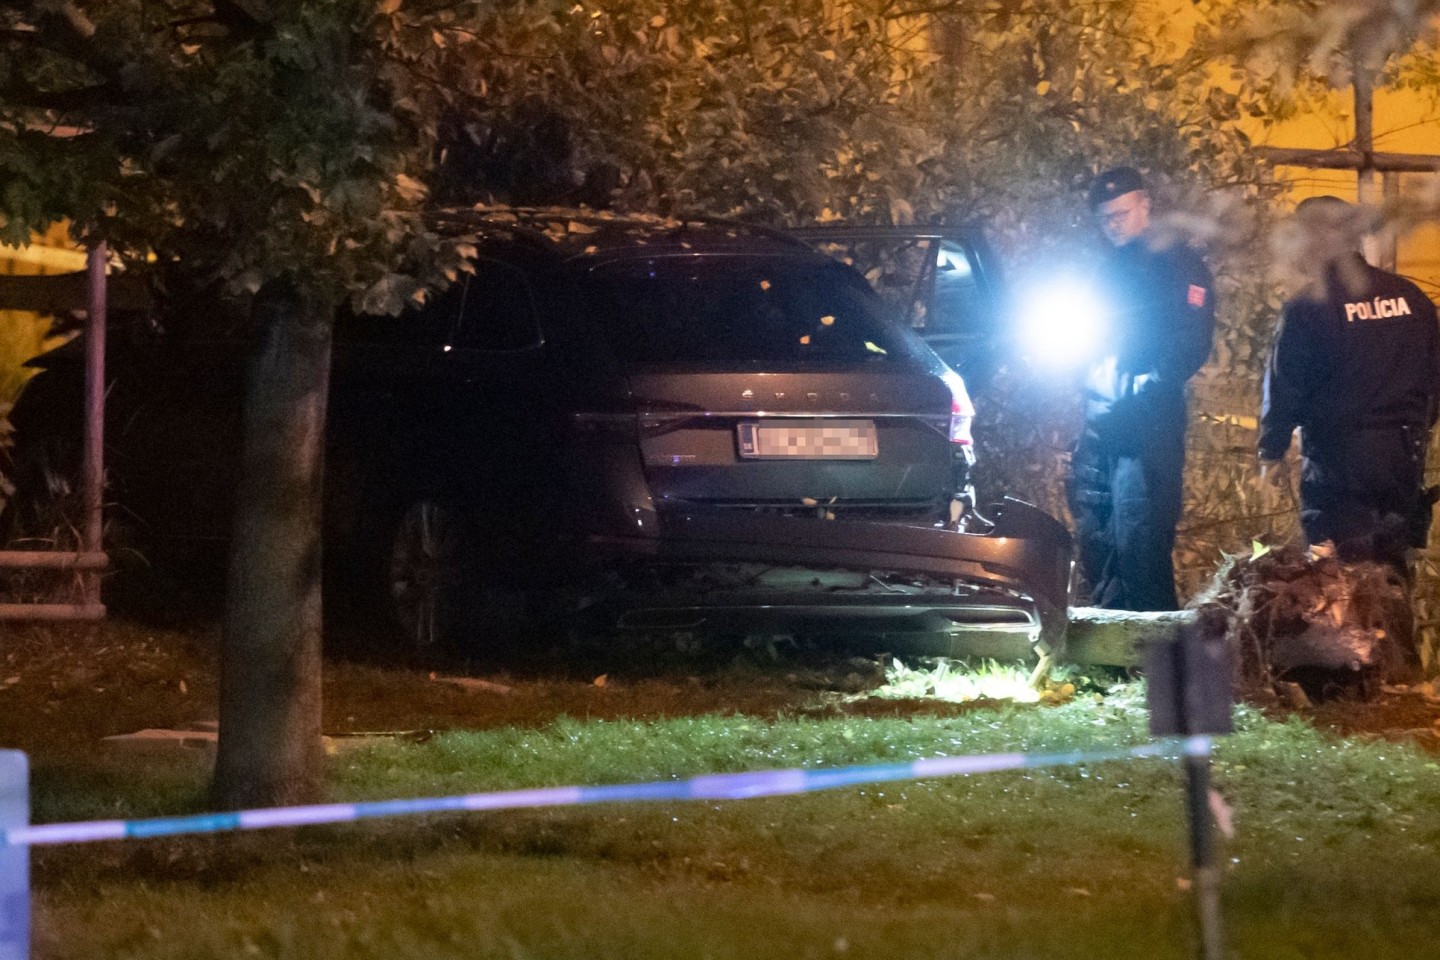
pixel 63 688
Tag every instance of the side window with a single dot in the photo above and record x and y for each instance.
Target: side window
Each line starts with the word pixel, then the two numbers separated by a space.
pixel 498 313
pixel 431 325
pixel 958 302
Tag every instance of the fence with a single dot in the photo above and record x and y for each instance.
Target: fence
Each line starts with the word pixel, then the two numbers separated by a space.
pixel 90 559
pixel 1189 700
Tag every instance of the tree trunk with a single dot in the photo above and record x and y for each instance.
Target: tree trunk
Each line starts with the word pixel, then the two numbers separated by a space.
pixel 270 751
pixel 1117 638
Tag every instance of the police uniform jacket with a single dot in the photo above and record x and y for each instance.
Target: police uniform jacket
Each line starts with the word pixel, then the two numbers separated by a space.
pixel 1343 363
pixel 1162 322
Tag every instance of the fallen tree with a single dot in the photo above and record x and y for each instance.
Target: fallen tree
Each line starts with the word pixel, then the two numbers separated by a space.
pixel 1117 638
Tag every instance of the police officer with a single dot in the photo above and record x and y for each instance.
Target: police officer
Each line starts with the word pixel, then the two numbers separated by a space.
pixel 1126 479
pixel 1356 366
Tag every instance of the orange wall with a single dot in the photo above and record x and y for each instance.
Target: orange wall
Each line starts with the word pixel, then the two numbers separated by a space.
pixel 23 334
pixel 1404 122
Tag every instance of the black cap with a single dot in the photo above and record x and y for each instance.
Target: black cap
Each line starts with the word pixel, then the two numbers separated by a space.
pixel 1114 183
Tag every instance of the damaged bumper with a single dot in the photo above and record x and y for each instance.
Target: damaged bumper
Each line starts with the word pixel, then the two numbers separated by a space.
pixel 1004 593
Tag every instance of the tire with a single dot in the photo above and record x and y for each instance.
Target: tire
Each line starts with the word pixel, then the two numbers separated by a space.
pixel 426 574
pixel 445 588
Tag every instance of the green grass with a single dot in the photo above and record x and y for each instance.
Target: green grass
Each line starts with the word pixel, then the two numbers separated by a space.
pixel 1334 855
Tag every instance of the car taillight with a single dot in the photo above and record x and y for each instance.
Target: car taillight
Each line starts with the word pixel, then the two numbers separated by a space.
pixel 960 417
pixel 962 411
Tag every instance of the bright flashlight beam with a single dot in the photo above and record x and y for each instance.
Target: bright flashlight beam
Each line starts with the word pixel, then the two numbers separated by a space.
pixel 1062 321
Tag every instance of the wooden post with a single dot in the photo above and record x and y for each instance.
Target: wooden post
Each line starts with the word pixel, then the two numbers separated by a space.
pixel 93 463
pixel 1389 236
pixel 1364 134
pixel 1366 188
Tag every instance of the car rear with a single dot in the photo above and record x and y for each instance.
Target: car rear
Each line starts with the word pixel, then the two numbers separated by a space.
pixel 800 453
pixel 774 383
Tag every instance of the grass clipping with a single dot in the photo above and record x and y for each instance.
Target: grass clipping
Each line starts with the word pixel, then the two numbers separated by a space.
pixel 1328 625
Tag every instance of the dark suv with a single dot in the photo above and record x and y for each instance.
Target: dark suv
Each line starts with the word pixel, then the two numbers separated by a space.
pixel 673 425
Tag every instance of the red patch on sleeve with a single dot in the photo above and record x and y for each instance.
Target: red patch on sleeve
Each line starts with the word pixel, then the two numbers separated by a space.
pixel 1195 296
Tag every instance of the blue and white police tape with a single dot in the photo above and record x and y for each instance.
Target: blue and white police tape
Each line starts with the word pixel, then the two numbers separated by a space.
pixel 720 786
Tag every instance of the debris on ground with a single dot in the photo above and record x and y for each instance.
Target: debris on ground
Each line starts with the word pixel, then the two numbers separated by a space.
pixel 474 684
pixel 158 740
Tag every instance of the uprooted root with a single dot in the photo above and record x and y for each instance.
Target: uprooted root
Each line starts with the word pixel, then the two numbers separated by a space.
pixel 1322 622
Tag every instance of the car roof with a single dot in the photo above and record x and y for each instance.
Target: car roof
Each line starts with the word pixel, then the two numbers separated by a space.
pixel 588 238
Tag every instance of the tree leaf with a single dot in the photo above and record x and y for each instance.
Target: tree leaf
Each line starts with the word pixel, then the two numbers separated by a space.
pixel 389 295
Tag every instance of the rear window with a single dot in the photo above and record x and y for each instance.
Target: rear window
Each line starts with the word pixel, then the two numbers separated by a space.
pixel 740 310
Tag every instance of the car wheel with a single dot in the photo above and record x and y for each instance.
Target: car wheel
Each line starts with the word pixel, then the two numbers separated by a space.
pixel 447 585
pixel 429 577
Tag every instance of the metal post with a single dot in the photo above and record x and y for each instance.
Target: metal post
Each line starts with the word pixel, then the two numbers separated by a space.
pixel 93 464
pixel 1187 680
pixel 1204 852
pixel 14 860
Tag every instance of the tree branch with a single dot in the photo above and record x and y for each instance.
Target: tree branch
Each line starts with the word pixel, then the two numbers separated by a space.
pixel 62 101
pixel 71 38
pixel 493 48
pixel 80 25
pixel 245 19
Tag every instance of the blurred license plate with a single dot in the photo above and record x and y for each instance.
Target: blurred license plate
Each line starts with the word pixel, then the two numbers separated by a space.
pixel 809 440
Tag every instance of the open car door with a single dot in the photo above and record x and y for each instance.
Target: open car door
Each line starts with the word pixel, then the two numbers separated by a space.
pixel 943 281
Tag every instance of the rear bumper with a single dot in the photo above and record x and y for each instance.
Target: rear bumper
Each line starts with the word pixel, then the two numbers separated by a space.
pixel 1006 590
